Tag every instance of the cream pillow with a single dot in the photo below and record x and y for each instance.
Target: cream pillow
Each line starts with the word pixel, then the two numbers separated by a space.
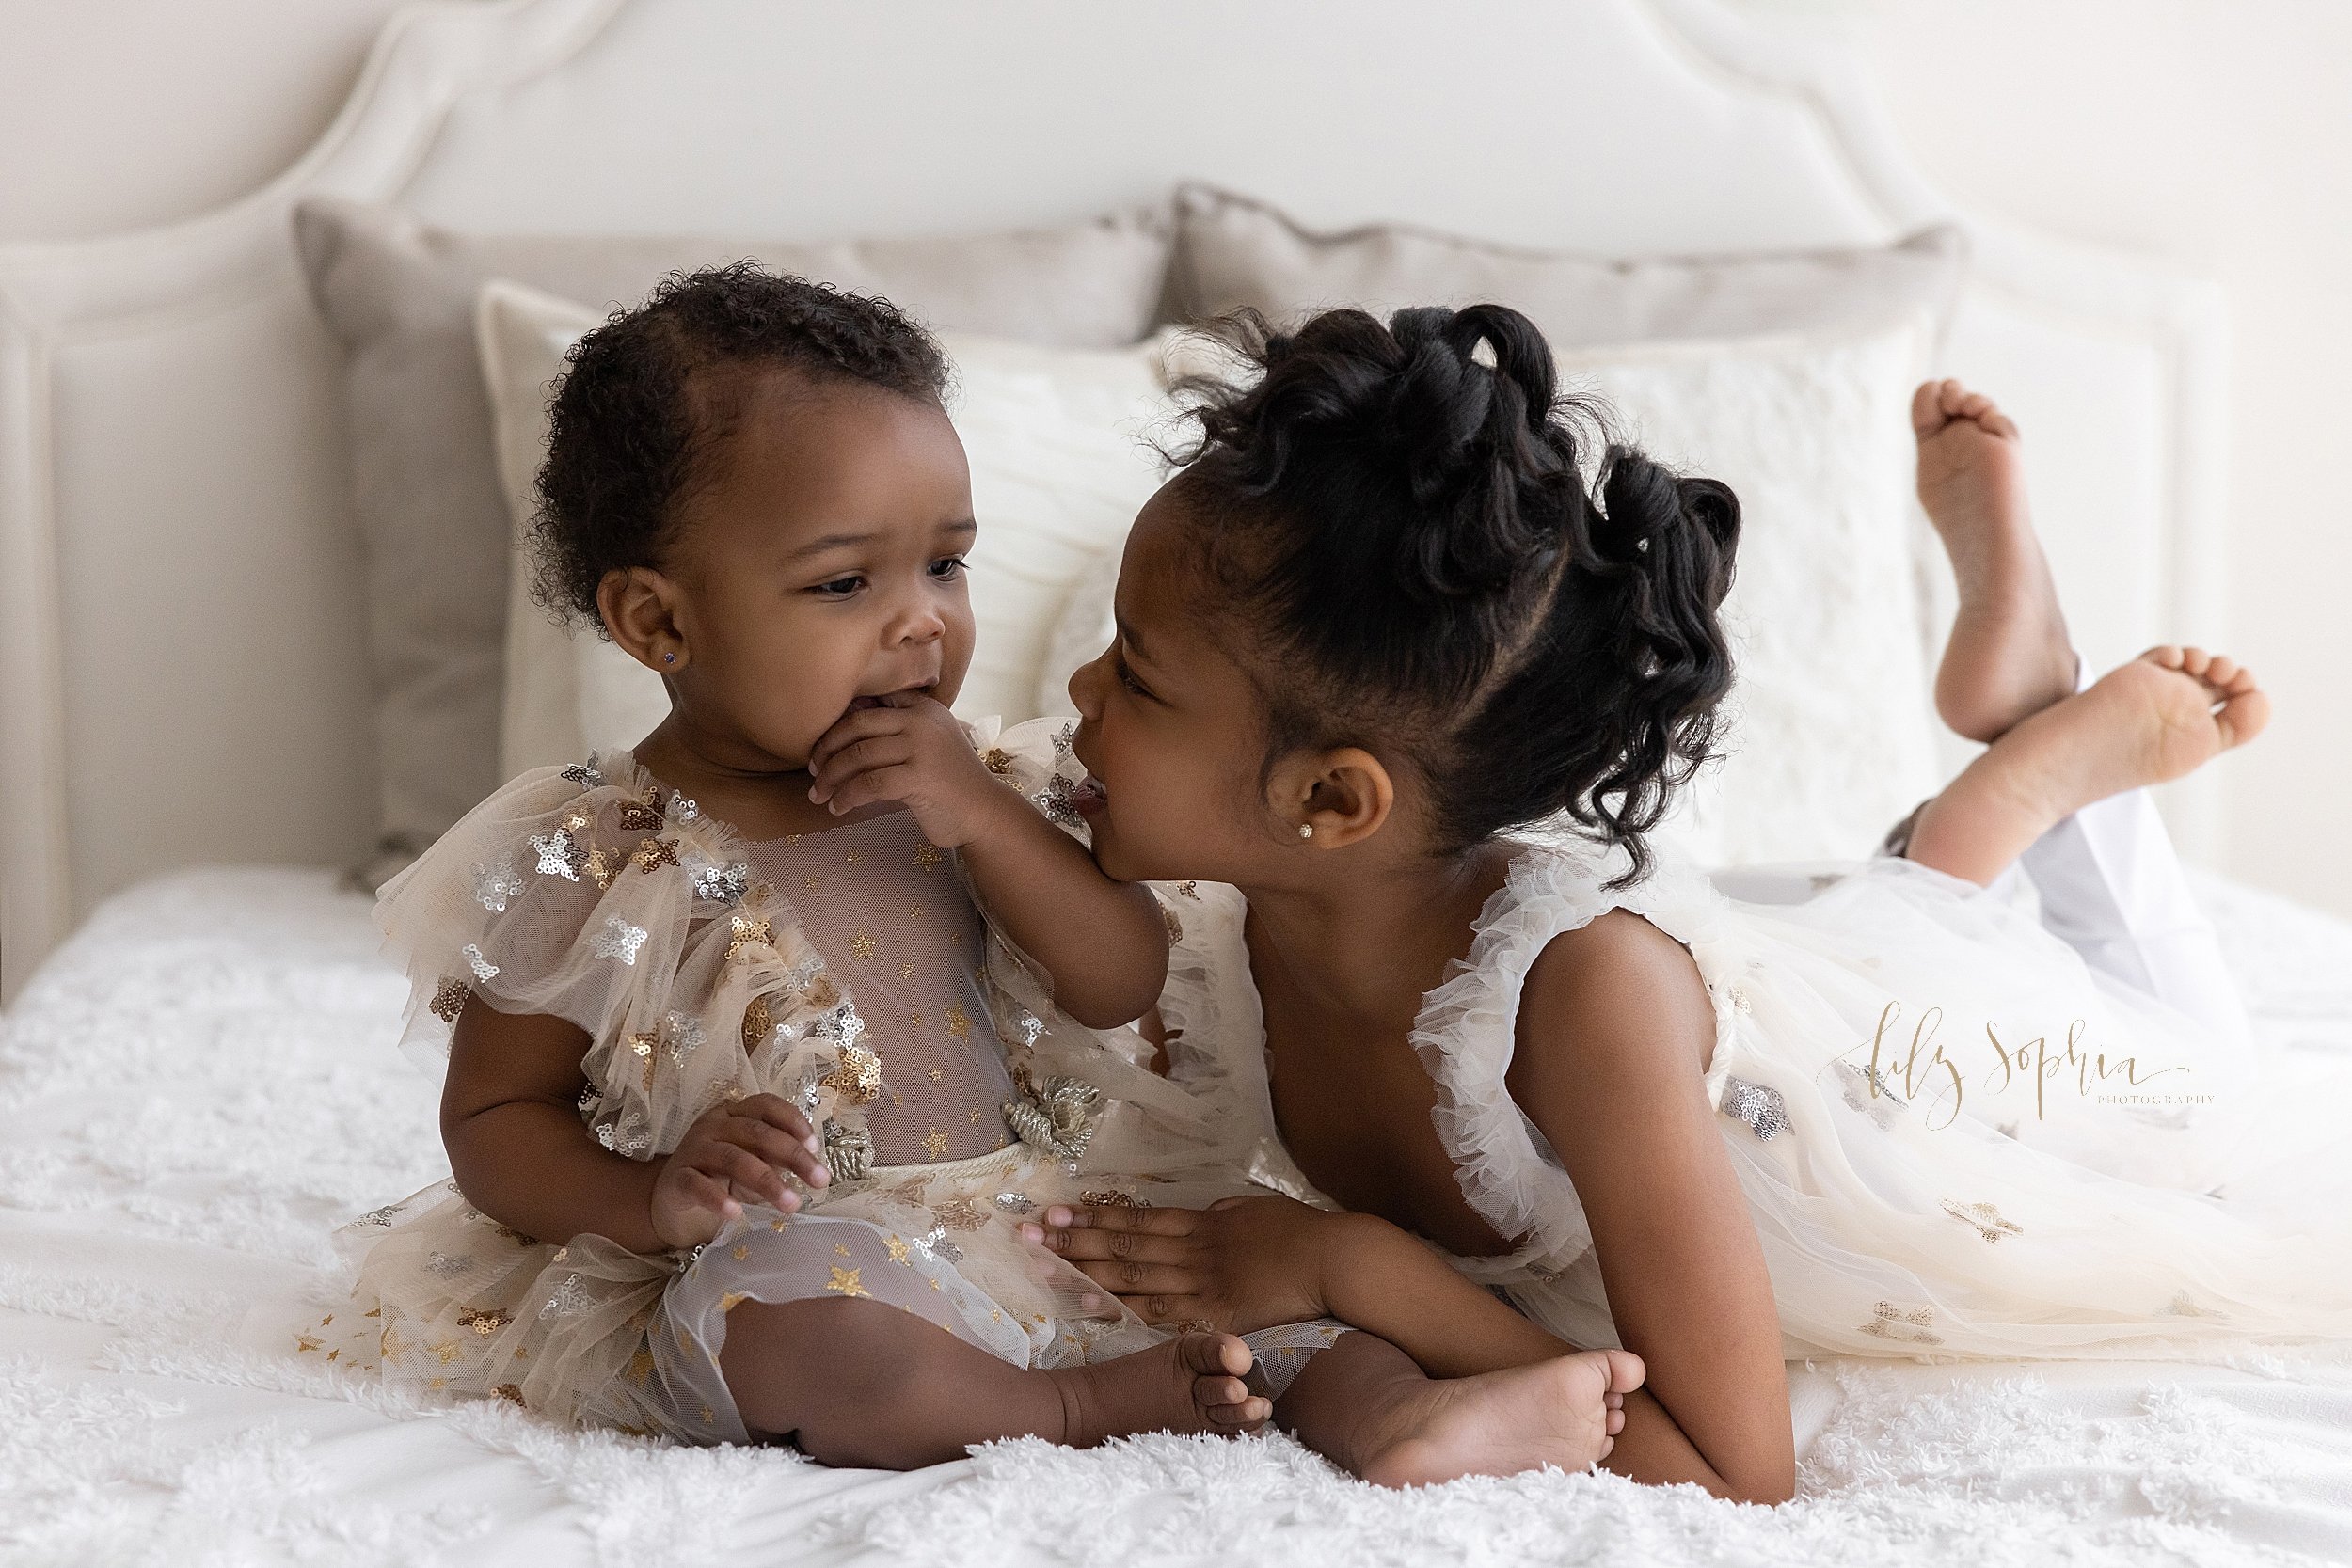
pixel 1830 738
pixel 1061 465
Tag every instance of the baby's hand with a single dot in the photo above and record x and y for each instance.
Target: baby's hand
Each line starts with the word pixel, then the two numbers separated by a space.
pixel 910 749
pixel 1242 1264
pixel 735 1151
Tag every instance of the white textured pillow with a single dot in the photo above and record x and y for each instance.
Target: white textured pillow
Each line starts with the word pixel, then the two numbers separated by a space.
pixel 1830 738
pixel 1059 469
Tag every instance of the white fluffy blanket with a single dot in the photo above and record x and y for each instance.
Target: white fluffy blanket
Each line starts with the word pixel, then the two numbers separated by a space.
pixel 203 1082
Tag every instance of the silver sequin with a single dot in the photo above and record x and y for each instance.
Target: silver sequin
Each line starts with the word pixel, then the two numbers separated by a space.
pixel 682 1035
pixel 571 1296
pixel 1016 1203
pixel 495 883
pixel 584 774
pixel 1758 1104
pixel 720 884
pixel 1063 737
pixel 446 1266
pixel 483 968
pixel 385 1215
pixel 935 1242
pixel 558 855
pixel 1053 801
pixel 619 940
pixel 1871 1093
pixel 680 809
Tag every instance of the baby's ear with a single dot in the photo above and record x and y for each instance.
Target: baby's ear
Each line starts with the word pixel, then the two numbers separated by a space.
pixel 636 605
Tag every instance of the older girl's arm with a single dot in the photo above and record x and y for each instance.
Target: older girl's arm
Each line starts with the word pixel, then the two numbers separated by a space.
pixel 1614 1032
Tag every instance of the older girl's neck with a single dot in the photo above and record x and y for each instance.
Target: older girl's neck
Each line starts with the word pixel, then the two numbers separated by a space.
pixel 1345 942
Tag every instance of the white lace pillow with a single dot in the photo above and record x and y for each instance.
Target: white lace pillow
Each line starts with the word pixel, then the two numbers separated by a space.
pixel 1831 737
pixel 1059 469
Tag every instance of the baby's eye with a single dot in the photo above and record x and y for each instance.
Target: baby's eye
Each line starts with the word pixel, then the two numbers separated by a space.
pixel 839 588
pixel 947 568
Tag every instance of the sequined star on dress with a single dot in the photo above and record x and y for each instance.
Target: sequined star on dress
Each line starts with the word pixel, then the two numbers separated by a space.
pixel 849 971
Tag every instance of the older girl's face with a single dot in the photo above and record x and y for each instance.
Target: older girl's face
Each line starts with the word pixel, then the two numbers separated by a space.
pixel 1169 726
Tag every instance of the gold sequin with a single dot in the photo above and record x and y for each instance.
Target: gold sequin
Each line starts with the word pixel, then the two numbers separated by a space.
pixel 485 1323
pixel 643 1043
pixel 821 992
pixel 307 1342
pixel 1190 890
pixel 961 1214
pixel 652 853
pixel 839 1250
pixel 1174 927
pixel 641 1367
pixel 926 856
pixel 861 945
pixel 509 1392
pixel 450 1000
pixel 791 838
pixel 746 932
pixel 845 1282
pixel 851 858
pixel 898 1248
pixel 603 865
pixel 914 911
pixel 739 1253
pixel 975 1116
pixel 449 1350
pixel 915 1019
pixel 733 1299
pixel 575 821
pixel 642 817
pixel 1985 1217
pixel 1909 1325
pixel 856 1077
pixel 757 1019
pixel 959 1021
pixel 906 971
pixel 811 883
pixel 937 1074
pixel 936 1141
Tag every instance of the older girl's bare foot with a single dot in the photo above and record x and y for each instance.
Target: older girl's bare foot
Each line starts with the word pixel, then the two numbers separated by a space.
pixel 2165 713
pixel 2008 656
pixel 1564 1412
pixel 1191 1383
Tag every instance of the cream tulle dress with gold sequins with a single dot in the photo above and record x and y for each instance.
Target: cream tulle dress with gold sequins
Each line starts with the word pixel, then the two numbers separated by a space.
pixel 849 971
pixel 2157 1192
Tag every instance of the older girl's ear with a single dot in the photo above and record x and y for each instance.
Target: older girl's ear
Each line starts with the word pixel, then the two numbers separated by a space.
pixel 637 606
pixel 1331 799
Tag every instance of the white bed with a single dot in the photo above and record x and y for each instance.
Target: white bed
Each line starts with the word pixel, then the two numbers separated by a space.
pixel 197 1064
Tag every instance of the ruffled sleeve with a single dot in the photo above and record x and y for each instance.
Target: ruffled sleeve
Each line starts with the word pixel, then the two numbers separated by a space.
pixel 592 895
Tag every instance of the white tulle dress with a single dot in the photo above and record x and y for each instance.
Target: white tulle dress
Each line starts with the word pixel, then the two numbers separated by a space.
pixel 1918 1205
pixel 849 971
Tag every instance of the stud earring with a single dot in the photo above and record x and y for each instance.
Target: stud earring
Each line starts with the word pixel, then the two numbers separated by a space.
pixel 1306 830
pixel 668 659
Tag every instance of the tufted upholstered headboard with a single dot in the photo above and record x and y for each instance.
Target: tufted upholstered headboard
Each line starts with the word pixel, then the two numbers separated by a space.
pixel 182 669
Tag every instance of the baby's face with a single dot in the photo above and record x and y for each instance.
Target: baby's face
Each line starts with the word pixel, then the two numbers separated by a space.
pixel 1170 728
pixel 821 567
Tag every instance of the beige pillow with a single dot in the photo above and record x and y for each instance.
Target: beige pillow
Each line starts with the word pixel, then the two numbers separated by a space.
pixel 1233 251
pixel 1831 737
pixel 1061 465
pixel 400 295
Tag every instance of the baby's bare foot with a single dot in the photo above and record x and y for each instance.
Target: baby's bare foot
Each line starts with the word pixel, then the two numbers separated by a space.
pixel 2165 713
pixel 1565 1412
pixel 2008 656
pixel 1191 1383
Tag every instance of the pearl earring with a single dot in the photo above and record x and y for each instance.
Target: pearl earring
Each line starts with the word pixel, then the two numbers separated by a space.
pixel 1306 830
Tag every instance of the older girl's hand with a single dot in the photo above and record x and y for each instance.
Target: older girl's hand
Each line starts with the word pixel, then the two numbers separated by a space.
pixel 1244 1263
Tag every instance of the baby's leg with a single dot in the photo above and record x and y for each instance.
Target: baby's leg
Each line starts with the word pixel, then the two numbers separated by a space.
pixel 859 1382
pixel 1367 1407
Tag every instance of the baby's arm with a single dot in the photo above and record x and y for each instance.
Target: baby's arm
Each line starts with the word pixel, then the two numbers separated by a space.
pixel 511 1124
pixel 1103 941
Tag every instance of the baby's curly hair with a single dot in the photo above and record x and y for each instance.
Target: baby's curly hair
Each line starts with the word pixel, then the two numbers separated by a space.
pixel 648 398
pixel 1399 514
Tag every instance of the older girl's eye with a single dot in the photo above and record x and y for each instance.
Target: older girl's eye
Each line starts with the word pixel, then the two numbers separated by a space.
pixel 948 568
pixel 1127 677
pixel 839 588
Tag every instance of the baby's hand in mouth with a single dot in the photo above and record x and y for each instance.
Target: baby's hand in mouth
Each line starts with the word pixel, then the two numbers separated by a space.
pixel 905 746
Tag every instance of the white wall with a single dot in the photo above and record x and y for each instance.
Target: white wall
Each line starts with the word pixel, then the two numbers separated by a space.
pixel 2214 133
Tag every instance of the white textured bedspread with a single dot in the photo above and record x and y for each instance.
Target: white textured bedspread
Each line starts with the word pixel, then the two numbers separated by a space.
pixel 203 1082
